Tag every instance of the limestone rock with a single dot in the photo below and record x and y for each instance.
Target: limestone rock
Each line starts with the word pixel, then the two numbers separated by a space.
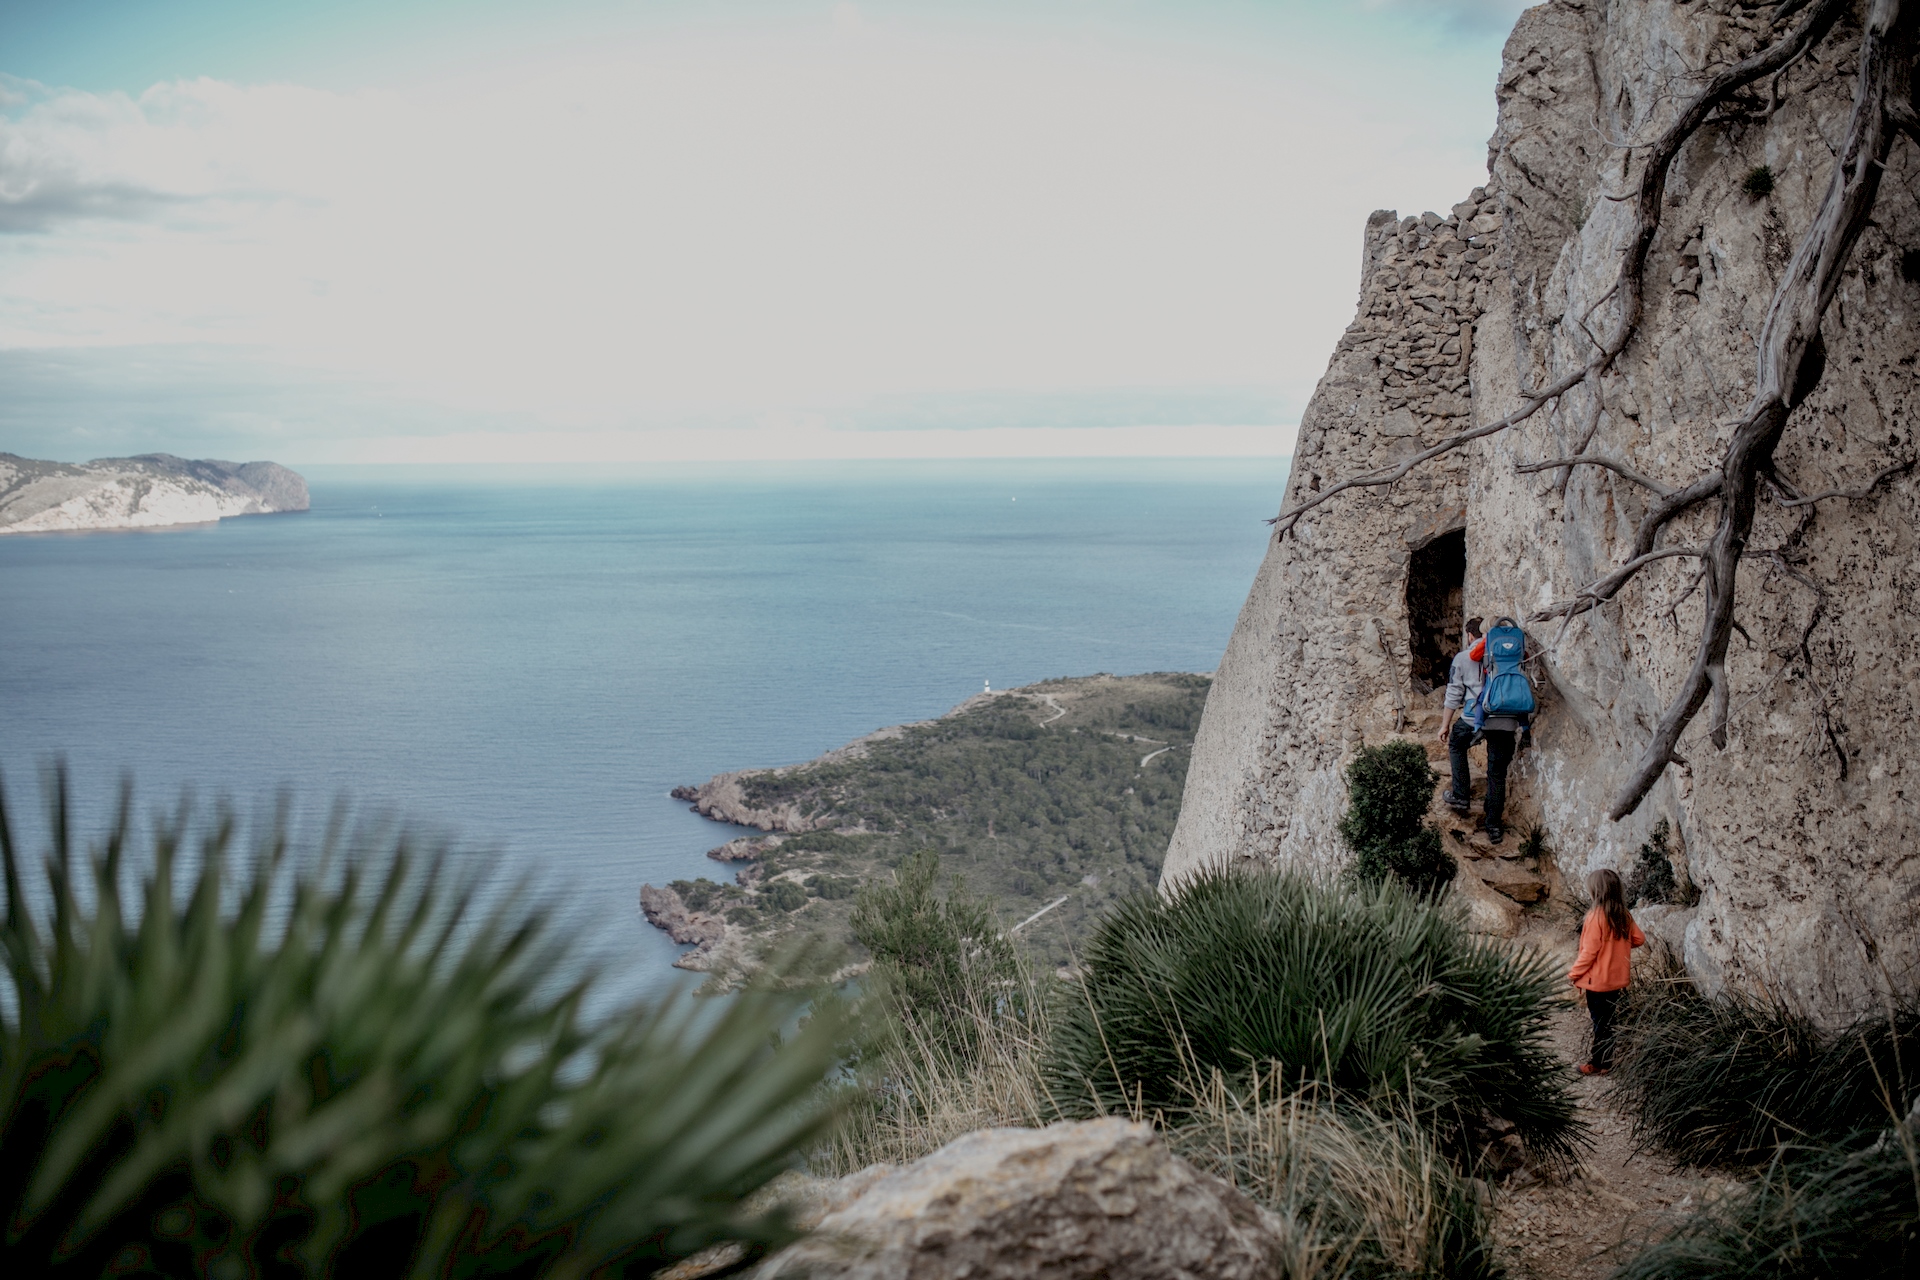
pixel 1096 1198
pixel 1513 877
pixel 1799 835
pixel 666 910
pixel 151 491
pixel 723 798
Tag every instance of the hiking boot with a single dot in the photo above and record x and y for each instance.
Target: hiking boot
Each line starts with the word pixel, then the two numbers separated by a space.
pixel 1496 833
pixel 1456 804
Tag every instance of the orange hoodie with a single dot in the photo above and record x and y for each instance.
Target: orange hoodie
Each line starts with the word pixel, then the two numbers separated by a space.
pixel 1602 965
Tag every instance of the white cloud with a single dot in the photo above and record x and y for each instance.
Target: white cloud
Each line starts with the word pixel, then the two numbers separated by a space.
pixel 728 222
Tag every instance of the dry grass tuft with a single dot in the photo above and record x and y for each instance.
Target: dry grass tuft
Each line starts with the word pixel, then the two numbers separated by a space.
pixel 1377 1193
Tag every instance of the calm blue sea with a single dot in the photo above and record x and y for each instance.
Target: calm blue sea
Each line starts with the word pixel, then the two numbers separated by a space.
pixel 531 661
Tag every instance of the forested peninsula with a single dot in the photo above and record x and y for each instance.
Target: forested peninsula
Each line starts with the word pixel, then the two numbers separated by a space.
pixel 1050 801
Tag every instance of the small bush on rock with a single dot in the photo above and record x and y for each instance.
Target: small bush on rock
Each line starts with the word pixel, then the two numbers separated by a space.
pixel 1389 789
pixel 1726 1081
pixel 1651 879
pixel 1369 990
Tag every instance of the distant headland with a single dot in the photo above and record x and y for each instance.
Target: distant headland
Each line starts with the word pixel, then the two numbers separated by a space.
pixel 1052 800
pixel 151 491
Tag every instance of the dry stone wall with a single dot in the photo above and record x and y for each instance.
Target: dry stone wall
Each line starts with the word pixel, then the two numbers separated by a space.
pixel 1319 661
pixel 1800 837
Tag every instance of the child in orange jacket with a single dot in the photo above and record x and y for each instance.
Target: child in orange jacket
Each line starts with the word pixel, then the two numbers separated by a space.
pixel 1607 939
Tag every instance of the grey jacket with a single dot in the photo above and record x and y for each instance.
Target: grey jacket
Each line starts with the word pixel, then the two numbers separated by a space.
pixel 1463 681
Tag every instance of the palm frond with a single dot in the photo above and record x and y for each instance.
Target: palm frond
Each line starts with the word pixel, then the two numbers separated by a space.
pixel 309 1053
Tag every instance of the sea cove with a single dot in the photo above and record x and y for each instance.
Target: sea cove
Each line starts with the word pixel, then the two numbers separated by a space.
pixel 533 663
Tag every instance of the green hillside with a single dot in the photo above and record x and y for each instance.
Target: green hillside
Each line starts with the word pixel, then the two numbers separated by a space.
pixel 1064 789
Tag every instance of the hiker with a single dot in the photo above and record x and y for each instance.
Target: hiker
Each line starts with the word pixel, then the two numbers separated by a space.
pixel 1502 712
pixel 1607 939
pixel 1463 690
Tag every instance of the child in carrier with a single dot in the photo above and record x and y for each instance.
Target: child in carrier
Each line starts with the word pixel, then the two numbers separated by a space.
pixel 1607 939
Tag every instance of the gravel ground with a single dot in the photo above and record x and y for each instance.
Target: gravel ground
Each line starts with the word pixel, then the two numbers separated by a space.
pixel 1587 1224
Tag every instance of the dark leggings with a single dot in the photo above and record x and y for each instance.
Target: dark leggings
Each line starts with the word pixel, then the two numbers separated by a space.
pixel 1601 1006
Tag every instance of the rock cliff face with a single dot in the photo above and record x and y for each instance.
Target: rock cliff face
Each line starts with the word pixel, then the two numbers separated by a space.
pixel 150 491
pixel 1800 835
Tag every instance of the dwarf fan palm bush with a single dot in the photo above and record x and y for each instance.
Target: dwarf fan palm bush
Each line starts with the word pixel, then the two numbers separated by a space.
pixel 335 1063
pixel 1725 1080
pixel 1850 1212
pixel 1369 990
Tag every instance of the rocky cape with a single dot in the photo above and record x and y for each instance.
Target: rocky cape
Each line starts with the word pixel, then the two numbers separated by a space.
pixel 1798 844
pixel 151 491
pixel 1052 801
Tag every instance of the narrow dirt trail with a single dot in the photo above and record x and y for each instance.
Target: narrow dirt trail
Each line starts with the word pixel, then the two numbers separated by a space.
pixel 1584 1226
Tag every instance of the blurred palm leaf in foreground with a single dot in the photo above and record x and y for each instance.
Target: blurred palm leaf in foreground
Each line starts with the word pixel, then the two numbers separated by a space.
pixel 334 1063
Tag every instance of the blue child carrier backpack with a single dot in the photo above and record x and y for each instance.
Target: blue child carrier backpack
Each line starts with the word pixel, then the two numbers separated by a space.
pixel 1506 692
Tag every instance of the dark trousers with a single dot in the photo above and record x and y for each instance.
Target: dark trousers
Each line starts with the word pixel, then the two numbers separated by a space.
pixel 1458 740
pixel 1601 1006
pixel 1499 756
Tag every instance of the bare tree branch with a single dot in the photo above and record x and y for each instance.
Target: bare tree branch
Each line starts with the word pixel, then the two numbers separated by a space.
pixel 1671 507
pixel 1287 519
pixel 1595 460
pixel 1864 491
pixel 1601 590
pixel 1789 349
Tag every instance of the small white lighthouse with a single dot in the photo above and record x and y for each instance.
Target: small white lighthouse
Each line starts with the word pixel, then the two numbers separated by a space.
pixel 986 686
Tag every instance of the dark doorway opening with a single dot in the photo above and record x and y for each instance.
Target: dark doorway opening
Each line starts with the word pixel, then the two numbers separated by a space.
pixel 1436 597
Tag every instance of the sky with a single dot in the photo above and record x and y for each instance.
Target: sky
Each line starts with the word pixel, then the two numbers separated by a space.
pixel 625 230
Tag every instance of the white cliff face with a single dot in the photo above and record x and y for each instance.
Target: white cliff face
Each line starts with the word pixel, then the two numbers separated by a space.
pixel 1801 835
pixel 150 491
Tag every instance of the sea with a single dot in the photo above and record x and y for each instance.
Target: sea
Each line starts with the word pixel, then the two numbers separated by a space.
pixel 525 662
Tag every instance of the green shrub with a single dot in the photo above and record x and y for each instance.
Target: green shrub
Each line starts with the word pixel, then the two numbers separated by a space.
pixel 1651 878
pixel 1389 790
pixel 1758 184
pixel 1846 1212
pixel 1725 1081
pixel 704 894
pixel 336 1063
pixel 1420 862
pixel 929 955
pixel 783 895
pixel 833 888
pixel 1370 990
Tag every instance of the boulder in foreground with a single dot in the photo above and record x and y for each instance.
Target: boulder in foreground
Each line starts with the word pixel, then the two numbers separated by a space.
pixel 1097 1198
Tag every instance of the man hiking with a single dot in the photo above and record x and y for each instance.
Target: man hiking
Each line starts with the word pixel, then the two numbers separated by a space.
pixel 1499 713
pixel 1463 688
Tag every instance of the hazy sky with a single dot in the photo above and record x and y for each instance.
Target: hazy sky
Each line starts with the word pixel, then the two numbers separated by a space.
pixel 577 229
